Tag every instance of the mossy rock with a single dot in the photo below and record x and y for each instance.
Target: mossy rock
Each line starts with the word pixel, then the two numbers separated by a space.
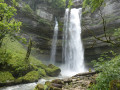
pixel 6 77
pixel 39 87
pixel 115 85
pixel 29 77
pixel 57 81
pixel 52 70
pixel 50 86
pixel 19 68
pixel 19 80
pixel 48 83
pixel 41 72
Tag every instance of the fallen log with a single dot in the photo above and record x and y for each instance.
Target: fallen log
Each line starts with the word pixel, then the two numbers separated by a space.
pixel 86 73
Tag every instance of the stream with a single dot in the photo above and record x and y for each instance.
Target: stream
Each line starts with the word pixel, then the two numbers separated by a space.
pixel 72 50
pixel 30 86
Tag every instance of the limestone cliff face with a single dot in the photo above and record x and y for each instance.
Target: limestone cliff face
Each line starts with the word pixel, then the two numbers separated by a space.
pixel 40 24
pixel 93 21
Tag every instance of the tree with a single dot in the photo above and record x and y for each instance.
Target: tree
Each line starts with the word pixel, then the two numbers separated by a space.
pixel 8 25
pixel 106 38
pixel 93 4
pixel 28 52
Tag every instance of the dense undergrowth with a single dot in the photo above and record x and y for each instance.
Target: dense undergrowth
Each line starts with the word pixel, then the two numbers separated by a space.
pixel 109 76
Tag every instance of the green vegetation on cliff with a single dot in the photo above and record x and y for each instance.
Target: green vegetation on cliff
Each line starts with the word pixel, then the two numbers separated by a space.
pixel 8 25
pixel 93 4
pixel 12 62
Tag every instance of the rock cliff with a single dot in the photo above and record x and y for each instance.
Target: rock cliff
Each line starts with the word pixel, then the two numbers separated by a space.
pixel 40 24
pixel 93 21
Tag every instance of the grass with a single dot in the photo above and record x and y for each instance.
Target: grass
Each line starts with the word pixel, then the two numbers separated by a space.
pixel 14 67
pixel 6 77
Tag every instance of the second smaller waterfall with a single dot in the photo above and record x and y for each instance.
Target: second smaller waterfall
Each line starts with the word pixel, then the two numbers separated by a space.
pixel 54 42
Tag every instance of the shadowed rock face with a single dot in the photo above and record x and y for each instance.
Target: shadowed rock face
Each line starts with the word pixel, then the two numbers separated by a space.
pixel 42 32
pixel 93 21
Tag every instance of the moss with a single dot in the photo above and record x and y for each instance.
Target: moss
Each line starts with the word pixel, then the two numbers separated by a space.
pixel 39 87
pixel 31 76
pixel 57 81
pixel 52 70
pixel 48 83
pixel 19 80
pixel 49 86
pixel 20 69
pixel 45 87
pixel 41 72
pixel 16 63
pixel 6 77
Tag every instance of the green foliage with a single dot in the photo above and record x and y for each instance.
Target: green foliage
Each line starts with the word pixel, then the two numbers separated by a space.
pixel 109 71
pixel 15 60
pixel 70 3
pixel 93 4
pixel 1 1
pixel 57 3
pixel 8 26
pixel 26 8
pixel 4 57
pixel 15 3
pixel 116 32
pixel 5 76
pixel 115 85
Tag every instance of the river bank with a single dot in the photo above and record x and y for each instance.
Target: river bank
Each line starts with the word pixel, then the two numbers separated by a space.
pixel 80 81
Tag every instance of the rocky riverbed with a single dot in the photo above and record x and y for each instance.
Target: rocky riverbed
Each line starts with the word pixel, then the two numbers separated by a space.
pixel 80 81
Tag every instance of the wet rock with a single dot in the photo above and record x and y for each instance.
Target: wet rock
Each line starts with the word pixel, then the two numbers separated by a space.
pixel 67 80
pixel 73 80
pixel 57 81
pixel 79 82
pixel 52 70
pixel 57 85
pixel 39 87
pixel 53 86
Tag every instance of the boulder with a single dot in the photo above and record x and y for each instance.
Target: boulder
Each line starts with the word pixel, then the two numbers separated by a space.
pixel 57 81
pixel 53 86
pixel 39 87
pixel 52 70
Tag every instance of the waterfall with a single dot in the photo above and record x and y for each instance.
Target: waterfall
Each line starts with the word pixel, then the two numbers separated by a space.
pixel 54 42
pixel 72 51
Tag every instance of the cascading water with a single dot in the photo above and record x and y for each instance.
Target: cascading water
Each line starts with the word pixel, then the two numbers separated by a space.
pixel 54 42
pixel 72 52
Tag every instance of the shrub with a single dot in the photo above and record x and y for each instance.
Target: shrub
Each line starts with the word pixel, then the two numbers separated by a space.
pixel 4 57
pixel 109 71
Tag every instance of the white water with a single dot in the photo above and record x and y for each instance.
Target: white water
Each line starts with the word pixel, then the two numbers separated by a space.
pixel 54 42
pixel 72 52
pixel 29 86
